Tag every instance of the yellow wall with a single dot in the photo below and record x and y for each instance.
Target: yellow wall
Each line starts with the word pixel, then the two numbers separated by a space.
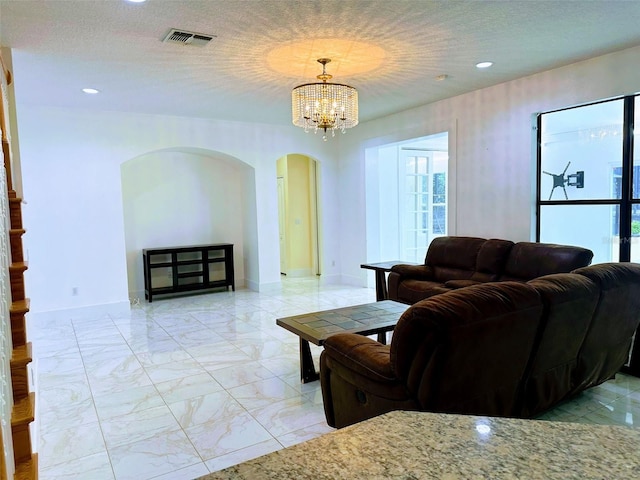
pixel 296 170
pixel 299 218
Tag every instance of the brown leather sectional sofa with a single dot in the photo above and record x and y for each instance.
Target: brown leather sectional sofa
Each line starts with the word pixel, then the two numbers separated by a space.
pixel 498 348
pixel 455 262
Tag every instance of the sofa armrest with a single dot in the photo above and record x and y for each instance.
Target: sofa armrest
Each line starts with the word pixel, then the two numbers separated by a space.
pixel 361 355
pixel 417 272
pixel 358 382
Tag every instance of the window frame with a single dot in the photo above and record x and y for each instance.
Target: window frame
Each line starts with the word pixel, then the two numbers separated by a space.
pixel 626 202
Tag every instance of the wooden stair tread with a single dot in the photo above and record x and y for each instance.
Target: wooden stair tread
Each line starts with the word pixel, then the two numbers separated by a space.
pixel 18 266
pixel 27 470
pixel 20 306
pixel 21 356
pixel 23 411
pixel 13 197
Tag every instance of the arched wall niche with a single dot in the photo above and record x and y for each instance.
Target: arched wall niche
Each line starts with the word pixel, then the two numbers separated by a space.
pixel 188 196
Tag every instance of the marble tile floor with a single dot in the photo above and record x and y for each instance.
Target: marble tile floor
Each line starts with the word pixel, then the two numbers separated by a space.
pixel 185 386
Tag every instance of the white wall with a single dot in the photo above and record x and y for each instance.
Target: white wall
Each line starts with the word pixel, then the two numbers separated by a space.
pixel 493 148
pixel 71 173
pixel 389 202
pixel 74 213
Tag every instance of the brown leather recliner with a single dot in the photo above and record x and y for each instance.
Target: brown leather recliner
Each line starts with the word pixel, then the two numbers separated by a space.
pixel 569 304
pixel 585 338
pixel 457 262
pixel 461 352
pixel 498 348
pixel 448 259
pixel 607 342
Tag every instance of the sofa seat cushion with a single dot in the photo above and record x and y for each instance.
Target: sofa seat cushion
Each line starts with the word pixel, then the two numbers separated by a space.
pixel 412 291
pixel 444 274
pixel 460 283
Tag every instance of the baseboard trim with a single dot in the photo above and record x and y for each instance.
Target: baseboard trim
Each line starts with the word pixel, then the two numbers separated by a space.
pixel 84 312
pixel 299 273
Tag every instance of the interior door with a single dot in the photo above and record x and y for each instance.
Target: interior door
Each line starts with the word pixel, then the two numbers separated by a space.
pixel 415 194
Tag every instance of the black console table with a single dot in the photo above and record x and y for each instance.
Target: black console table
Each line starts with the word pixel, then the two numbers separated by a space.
pixel 187 268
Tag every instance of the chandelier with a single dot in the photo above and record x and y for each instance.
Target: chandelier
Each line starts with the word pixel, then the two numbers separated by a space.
pixel 325 106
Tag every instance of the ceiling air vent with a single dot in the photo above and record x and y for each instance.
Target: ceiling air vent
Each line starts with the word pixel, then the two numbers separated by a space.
pixel 184 37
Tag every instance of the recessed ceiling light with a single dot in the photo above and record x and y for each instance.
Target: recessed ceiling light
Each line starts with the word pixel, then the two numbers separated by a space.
pixel 484 64
pixel 136 1
pixel 442 77
pixel 91 91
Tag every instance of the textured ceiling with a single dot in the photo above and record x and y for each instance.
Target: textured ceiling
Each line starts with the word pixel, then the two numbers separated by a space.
pixel 391 50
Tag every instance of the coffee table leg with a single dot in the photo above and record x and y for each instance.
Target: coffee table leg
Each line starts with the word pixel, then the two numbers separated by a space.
pixel 382 337
pixel 307 369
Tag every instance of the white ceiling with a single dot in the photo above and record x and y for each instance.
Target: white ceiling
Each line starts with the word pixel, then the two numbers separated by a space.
pixel 390 50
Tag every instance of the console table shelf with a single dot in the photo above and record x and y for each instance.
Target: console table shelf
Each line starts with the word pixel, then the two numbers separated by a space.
pixel 187 268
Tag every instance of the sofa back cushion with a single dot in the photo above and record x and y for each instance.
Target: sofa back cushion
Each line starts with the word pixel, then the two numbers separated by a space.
pixel 529 260
pixel 491 260
pixel 606 346
pixel 569 304
pixel 466 351
pixel 453 258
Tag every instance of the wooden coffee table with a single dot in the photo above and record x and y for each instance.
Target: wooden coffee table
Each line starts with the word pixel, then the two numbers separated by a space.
pixel 316 327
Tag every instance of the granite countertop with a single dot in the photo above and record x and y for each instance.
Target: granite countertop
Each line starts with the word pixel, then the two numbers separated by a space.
pixel 417 445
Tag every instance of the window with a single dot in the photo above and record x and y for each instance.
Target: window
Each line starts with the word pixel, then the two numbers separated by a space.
pixel 635 208
pixel 588 185
pixel 439 203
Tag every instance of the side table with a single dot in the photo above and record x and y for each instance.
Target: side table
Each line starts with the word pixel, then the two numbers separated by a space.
pixel 381 270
